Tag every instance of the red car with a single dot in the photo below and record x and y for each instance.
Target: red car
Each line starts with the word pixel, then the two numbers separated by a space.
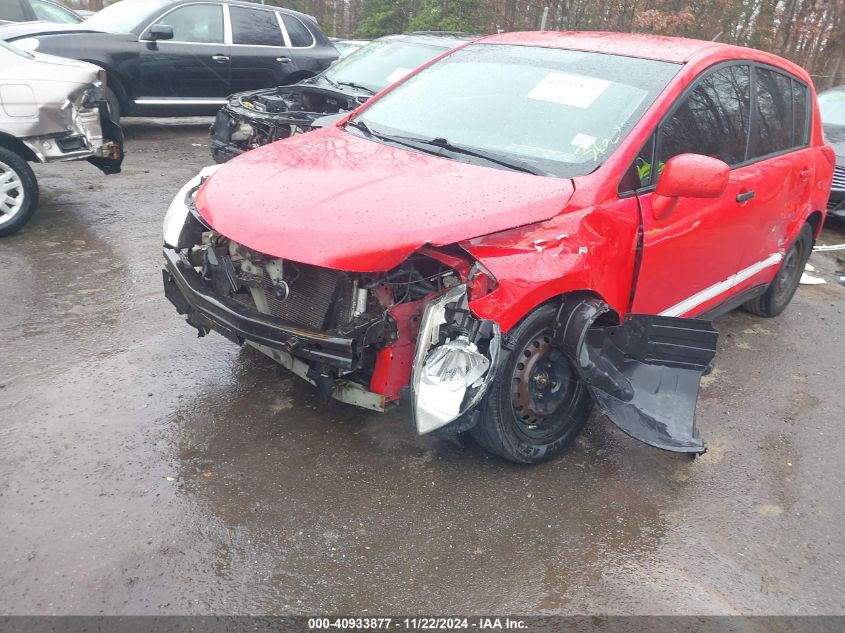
pixel 530 223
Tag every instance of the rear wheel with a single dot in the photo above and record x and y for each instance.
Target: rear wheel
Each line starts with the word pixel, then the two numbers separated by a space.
pixel 18 192
pixel 536 405
pixel 780 292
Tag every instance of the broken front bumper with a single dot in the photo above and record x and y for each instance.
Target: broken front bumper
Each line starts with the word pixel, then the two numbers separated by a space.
pixel 91 135
pixel 194 297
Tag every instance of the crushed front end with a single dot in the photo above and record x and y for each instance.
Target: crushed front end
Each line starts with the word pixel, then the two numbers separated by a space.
pixel 357 337
pixel 253 119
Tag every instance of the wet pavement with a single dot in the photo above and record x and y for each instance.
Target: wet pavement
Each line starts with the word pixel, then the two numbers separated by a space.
pixel 144 470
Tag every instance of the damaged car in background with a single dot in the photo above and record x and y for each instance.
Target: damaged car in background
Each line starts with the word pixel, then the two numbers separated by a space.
pixel 531 224
pixel 252 119
pixel 51 109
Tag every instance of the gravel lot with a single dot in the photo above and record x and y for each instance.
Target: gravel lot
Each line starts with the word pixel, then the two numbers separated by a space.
pixel 145 471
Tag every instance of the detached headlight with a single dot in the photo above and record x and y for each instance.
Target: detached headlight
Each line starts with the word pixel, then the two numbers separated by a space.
pixel 454 362
pixel 177 212
pixel 27 44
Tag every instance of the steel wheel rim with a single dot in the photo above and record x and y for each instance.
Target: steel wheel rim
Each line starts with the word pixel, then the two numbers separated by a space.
pixel 790 270
pixel 12 194
pixel 543 388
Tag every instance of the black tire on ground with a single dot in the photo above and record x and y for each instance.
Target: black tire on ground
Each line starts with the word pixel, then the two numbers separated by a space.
pixel 780 292
pixel 16 173
pixel 536 405
pixel 114 104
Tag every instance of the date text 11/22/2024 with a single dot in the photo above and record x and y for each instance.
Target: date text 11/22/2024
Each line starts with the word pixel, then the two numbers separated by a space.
pixel 414 624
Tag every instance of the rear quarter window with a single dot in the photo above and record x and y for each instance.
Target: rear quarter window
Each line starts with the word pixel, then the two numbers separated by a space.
pixel 800 114
pixel 300 36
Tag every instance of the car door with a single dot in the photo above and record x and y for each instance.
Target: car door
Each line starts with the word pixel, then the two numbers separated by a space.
pixel 260 54
pixel 191 66
pixel 691 255
pixel 785 167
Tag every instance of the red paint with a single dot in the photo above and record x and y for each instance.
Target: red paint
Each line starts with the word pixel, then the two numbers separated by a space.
pixel 333 199
pixel 394 362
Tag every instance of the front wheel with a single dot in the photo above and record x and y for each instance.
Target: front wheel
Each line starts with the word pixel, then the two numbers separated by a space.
pixel 18 192
pixel 780 292
pixel 536 405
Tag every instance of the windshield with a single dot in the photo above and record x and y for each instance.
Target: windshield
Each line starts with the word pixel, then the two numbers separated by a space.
pixel 832 107
pixel 378 64
pixel 125 16
pixel 559 111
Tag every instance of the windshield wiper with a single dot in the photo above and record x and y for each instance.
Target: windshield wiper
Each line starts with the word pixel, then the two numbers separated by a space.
pixel 331 82
pixel 352 84
pixel 436 146
pixel 442 143
pixel 358 124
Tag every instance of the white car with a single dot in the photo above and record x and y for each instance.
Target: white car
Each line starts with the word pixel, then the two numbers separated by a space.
pixel 51 109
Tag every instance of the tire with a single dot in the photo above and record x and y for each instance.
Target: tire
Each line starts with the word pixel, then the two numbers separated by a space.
pixel 780 292
pixel 18 192
pixel 538 416
pixel 114 104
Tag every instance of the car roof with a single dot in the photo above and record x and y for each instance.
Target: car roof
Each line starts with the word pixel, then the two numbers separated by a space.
pixel 245 3
pixel 441 39
pixel 659 47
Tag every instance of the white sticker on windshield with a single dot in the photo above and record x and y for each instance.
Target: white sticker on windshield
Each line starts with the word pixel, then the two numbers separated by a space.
pixel 577 91
pixel 397 74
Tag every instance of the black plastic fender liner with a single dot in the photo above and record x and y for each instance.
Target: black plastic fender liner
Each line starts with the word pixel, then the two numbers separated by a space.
pixel 645 373
pixel 112 132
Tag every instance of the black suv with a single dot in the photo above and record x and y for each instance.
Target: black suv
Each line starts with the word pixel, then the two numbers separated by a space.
pixel 179 57
pixel 259 117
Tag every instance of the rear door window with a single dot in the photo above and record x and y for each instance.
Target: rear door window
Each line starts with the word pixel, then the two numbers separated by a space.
pixel 298 33
pixel 771 131
pixel 712 119
pixel 255 27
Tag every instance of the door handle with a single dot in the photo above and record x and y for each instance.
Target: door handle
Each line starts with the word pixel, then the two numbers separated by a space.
pixel 220 58
pixel 745 196
pixel 806 173
pixel 283 60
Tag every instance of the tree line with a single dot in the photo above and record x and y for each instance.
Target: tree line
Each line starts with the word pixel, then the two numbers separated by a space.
pixel 809 32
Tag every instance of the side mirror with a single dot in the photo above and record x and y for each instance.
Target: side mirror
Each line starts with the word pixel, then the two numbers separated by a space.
pixel 160 32
pixel 693 176
pixel 689 176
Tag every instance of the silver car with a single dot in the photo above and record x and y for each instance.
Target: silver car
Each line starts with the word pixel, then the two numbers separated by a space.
pixel 51 109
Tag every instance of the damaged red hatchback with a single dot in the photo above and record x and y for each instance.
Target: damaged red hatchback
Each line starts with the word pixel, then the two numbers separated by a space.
pixel 528 224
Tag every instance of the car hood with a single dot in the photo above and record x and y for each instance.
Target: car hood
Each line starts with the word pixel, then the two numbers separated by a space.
pixel 42 67
pixel 835 137
pixel 17 30
pixel 333 199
